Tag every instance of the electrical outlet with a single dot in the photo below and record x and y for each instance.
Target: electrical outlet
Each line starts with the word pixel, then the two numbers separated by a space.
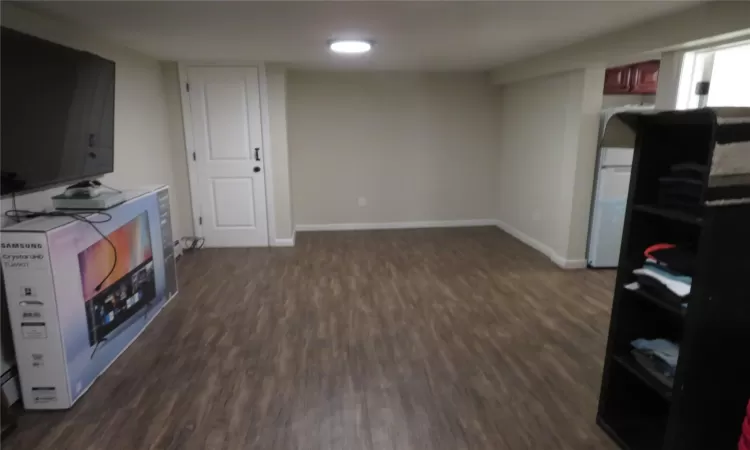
pixel 362 201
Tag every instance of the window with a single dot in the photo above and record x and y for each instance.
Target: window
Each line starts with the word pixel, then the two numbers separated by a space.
pixel 725 69
pixel 730 78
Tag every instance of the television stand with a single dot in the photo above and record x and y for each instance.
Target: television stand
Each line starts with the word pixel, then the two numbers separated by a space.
pixel 88 195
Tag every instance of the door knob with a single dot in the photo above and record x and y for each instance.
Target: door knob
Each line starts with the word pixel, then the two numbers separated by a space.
pixel 256 169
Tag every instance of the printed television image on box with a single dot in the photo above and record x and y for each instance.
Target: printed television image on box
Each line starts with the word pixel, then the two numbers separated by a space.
pixel 131 285
pixel 101 313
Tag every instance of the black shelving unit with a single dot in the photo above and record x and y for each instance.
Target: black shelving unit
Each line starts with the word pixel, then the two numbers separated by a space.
pixel 704 407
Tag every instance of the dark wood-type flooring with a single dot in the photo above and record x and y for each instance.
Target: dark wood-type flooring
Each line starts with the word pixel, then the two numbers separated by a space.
pixel 412 339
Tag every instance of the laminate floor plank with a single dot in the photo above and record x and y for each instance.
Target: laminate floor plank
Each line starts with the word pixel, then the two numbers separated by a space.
pixel 439 339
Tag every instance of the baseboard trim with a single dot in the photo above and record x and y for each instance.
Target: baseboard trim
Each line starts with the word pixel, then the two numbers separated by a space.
pixel 523 237
pixel 541 247
pixel 569 263
pixel 286 242
pixel 397 225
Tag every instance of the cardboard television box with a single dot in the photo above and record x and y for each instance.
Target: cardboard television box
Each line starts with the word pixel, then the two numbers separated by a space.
pixel 77 300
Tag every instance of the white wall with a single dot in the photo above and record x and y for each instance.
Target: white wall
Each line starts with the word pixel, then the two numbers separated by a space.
pixel 545 165
pixel 418 147
pixel 612 101
pixel 708 22
pixel 283 219
pixel 670 73
pixel 550 209
pixel 582 127
pixel 179 161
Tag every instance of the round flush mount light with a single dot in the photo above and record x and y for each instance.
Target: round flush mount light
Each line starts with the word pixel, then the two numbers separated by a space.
pixel 350 46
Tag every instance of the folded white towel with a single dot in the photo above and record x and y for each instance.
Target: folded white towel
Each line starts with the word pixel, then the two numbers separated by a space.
pixel 678 287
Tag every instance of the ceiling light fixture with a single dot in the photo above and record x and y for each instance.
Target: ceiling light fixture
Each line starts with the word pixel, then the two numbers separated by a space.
pixel 350 46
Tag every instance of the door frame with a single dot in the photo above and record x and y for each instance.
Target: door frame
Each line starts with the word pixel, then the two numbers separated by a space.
pixel 265 131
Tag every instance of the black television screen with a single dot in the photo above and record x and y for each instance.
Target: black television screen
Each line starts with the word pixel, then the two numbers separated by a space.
pixel 57 117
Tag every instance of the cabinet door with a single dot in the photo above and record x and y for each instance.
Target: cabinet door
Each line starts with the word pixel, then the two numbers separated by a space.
pixel 617 80
pixel 645 77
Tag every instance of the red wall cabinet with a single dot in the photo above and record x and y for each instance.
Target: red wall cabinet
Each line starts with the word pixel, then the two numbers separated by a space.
pixel 645 77
pixel 641 78
pixel 617 80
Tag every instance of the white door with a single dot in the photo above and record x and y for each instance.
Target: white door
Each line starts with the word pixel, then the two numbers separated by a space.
pixel 228 158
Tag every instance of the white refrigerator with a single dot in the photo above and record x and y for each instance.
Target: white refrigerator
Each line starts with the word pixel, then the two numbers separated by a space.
pixel 611 183
pixel 608 209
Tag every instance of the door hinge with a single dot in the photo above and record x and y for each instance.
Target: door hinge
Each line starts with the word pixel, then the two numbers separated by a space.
pixel 187 87
pixel 194 156
pixel 200 220
pixel 702 87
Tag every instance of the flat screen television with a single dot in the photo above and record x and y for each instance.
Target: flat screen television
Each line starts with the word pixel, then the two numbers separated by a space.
pixel 57 117
pixel 131 285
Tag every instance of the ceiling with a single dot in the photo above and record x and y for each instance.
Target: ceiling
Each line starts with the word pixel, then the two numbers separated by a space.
pixel 426 35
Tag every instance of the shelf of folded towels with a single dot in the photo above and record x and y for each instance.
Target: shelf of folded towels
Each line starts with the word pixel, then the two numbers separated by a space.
pixel 654 361
pixel 664 280
pixel 666 276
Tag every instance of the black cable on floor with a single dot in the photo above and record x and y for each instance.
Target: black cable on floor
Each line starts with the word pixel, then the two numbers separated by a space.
pixel 191 243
